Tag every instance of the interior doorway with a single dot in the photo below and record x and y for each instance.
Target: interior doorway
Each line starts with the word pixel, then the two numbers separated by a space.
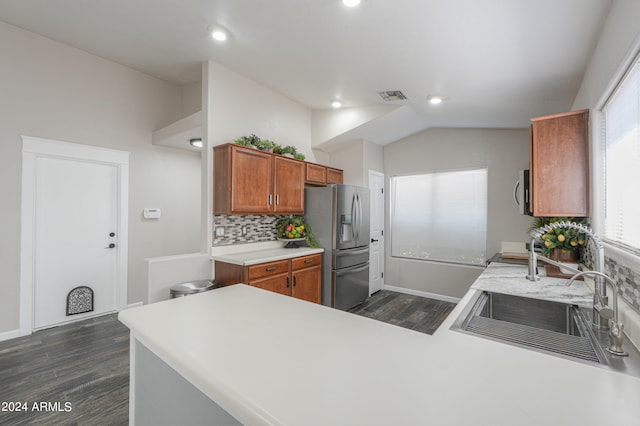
pixel 376 249
pixel 74 232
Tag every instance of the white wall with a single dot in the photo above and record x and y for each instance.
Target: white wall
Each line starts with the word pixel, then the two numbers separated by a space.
pixel 53 91
pixel 618 40
pixel 240 106
pixel 356 159
pixel 503 152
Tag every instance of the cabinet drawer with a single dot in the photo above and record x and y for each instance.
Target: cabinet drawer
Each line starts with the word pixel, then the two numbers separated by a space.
pixel 306 261
pixel 267 269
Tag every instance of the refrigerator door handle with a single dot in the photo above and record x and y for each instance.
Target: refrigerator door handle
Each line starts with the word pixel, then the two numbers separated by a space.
pixel 359 217
pixel 353 217
pixel 353 269
pixel 351 252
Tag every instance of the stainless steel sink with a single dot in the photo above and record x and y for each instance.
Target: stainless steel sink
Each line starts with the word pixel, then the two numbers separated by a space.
pixel 557 328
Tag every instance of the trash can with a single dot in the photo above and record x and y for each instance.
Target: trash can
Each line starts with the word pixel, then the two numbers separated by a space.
pixel 193 287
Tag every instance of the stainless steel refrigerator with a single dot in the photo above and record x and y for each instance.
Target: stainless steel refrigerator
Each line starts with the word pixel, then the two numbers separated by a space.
pixel 339 219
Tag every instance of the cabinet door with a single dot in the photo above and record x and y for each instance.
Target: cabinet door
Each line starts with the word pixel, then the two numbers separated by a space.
pixel 251 181
pixel 307 284
pixel 289 186
pixel 560 165
pixel 278 284
pixel 334 175
pixel 316 174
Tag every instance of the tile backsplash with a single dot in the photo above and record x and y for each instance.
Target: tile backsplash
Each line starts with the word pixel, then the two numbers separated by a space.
pixel 627 278
pixel 258 228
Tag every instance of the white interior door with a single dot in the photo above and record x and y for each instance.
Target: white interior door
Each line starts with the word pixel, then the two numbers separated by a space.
pixel 76 222
pixel 74 197
pixel 376 249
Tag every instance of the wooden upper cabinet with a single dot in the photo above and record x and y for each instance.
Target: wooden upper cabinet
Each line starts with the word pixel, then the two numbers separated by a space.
pixel 248 181
pixel 334 175
pixel 316 174
pixel 289 186
pixel 560 164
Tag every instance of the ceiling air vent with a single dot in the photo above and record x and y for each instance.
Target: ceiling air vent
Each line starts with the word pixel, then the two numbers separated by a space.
pixel 392 95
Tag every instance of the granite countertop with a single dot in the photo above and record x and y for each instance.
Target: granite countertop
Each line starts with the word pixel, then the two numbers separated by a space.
pixel 271 254
pixel 511 279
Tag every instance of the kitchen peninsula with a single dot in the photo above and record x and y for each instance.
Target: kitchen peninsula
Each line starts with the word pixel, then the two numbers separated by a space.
pixel 245 355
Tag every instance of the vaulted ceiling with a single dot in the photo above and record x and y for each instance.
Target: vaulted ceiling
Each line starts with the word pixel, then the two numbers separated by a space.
pixel 496 63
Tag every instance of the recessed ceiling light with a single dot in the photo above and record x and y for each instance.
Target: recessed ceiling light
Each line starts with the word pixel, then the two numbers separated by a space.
pixel 351 3
pixel 196 142
pixel 435 100
pixel 218 34
pixel 336 104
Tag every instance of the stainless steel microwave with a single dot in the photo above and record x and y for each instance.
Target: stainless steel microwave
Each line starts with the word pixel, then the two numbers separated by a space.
pixel 521 193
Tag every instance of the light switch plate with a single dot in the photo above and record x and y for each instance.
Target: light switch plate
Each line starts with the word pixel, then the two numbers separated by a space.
pixel 219 231
pixel 150 213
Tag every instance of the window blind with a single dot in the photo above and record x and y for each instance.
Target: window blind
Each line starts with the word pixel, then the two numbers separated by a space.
pixel 622 161
pixel 440 216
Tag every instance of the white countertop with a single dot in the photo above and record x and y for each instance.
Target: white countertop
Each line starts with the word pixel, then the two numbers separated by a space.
pixel 272 359
pixel 253 257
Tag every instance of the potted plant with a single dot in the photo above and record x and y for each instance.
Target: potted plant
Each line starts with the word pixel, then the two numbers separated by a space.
pixel 278 149
pixel 289 151
pixel 265 145
pixel 560 244
pixel 250 141
pixel 298 156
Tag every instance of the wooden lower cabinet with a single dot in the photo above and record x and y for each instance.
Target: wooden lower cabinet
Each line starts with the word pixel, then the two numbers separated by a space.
pixel 299 277
pixel 305 284
pixel 279 284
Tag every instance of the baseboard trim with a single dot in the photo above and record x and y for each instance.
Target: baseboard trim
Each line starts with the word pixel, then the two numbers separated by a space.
pixel 7 335
pixel 421 293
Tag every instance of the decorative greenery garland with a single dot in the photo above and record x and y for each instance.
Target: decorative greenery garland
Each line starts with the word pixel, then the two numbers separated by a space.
pixel 266 145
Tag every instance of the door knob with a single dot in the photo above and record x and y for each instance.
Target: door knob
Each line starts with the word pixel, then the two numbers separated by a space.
pixel 373 240
pixel 112 234
pixel 112 245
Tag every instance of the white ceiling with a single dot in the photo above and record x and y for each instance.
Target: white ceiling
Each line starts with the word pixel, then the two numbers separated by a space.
pixel 496 62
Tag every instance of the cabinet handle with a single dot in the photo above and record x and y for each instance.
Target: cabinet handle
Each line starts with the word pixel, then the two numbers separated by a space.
pixel 308 261
pixel 287 282
pixel 295 281
pixel 272 268
pixel 270 199
pixel 277 199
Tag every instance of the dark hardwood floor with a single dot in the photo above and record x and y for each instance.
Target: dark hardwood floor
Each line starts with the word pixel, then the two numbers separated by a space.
pixel 75 374
pixel 80 371
pixel 405 310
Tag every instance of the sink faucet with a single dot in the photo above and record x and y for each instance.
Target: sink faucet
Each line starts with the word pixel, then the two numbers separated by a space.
pixel 600 300
pixel 616 332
